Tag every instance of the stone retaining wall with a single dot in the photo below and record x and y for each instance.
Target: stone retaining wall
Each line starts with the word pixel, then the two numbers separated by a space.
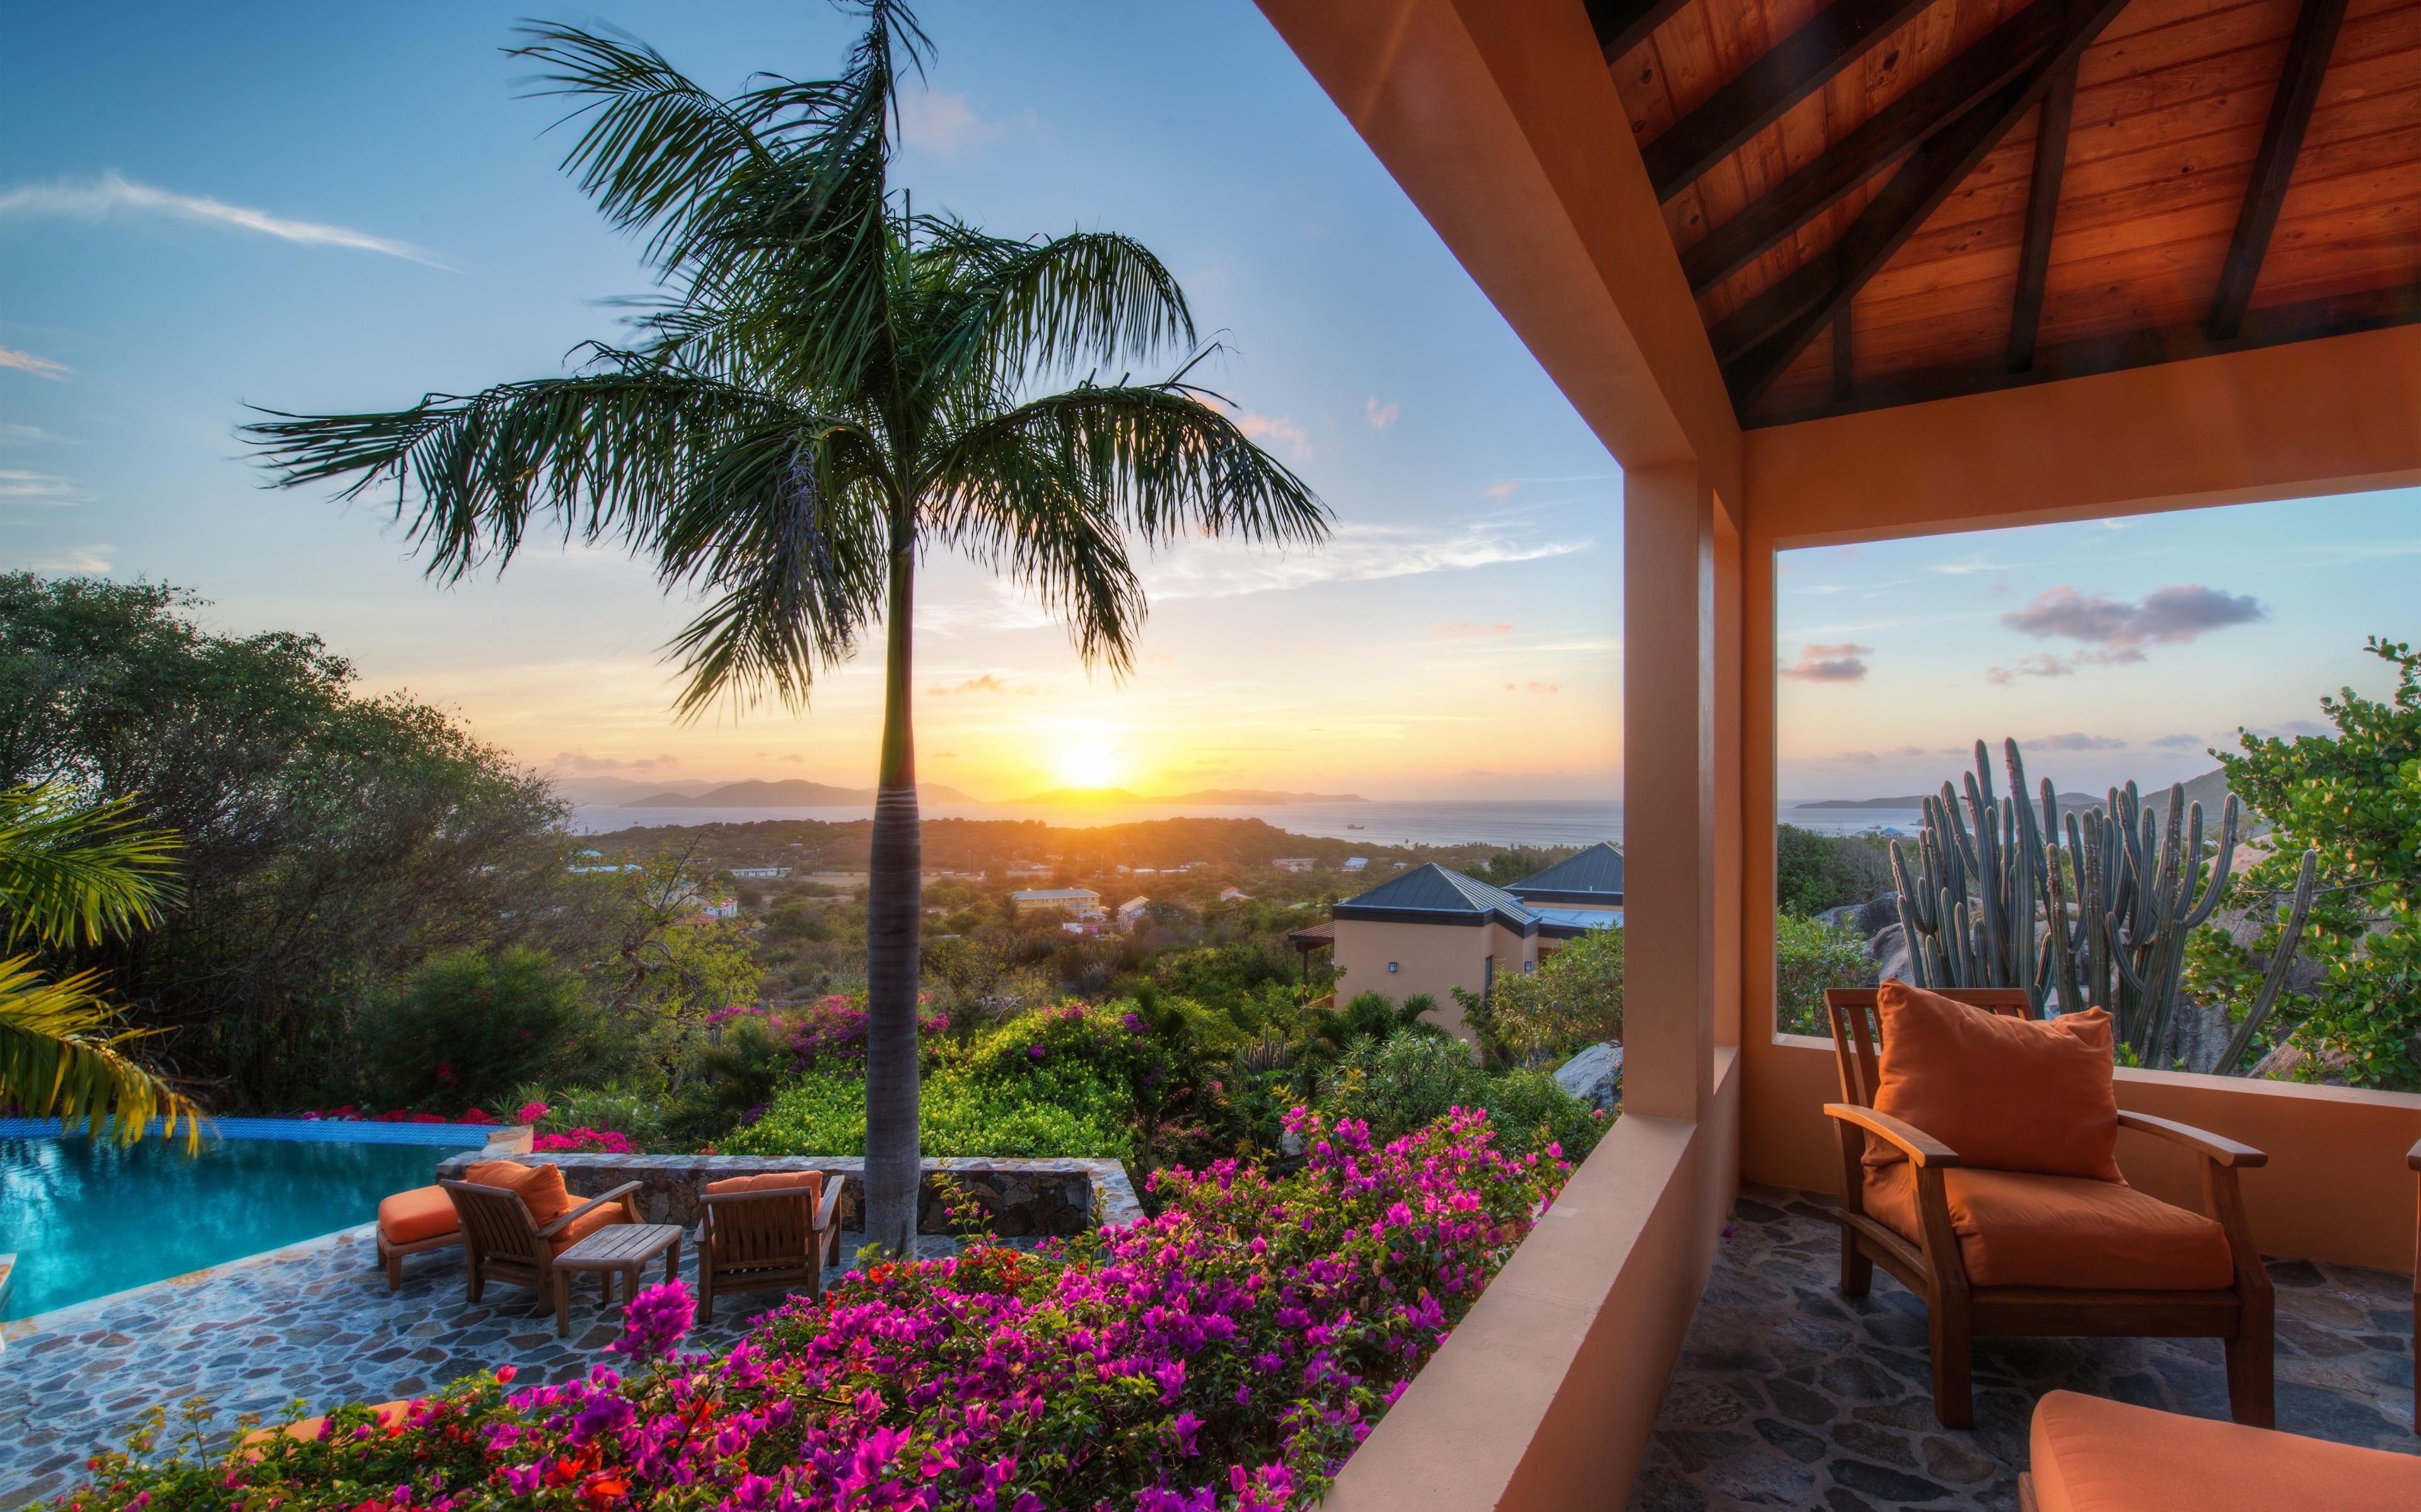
pixel 1027 1199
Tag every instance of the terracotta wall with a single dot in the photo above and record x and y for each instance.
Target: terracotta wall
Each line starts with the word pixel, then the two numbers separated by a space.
pixel 1430 958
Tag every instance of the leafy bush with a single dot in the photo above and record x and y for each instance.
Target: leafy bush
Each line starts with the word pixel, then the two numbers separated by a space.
pixel 1574 999
pixel 1289 1315
pixel 1401 1084
pixel 469 1027
pixel 626 1110
pixel 1815 872
pixel 1807 959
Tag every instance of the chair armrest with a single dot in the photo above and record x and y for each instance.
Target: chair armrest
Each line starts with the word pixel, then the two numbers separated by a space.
pixel 2412 1157
pixel 2216 1147
pixel 830 1206
pixel 1919 1146
pixel 599 1201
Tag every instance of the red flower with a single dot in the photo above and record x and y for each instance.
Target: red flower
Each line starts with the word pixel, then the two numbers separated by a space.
pixel 604 1491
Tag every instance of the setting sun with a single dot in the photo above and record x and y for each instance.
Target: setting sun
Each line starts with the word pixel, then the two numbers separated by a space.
pixel 1091 764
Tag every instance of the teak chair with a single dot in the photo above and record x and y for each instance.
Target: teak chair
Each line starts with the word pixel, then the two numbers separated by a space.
pixel 1932 1266
pixel 503 1242
pixel 767 1238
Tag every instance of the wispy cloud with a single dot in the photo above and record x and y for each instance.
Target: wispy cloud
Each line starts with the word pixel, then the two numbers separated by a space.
pixel 25 362
pixel 112 194
pixel 1534 687
pixel 947 125
pixel 1842 663
pixel 26 487
pixel 2177 743
pixel 2075 741
pixel 1357 553
pixel 79 559
pixel 1277 429
pixel 1379 415
pixel 986 683
pixel 582 761
pixel 17 435
pixel 2115 630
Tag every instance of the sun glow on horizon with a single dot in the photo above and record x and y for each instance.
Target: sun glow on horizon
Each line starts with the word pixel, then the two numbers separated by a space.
pixel 1090 763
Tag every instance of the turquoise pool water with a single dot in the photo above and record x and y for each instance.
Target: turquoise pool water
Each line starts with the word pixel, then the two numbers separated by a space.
pixel 86 1218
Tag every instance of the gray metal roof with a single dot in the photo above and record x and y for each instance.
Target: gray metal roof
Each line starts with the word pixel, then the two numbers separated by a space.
pixel 1432 894
pixel 1594 876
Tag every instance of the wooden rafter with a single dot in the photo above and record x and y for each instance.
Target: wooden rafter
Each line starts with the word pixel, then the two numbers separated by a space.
pixel 1623 24
pixel 1845 354
pixel 2270 326
pixel 1760 338
pixel 2042 212
pixel 1754 98
pixel 1884 138
pixel 2291 111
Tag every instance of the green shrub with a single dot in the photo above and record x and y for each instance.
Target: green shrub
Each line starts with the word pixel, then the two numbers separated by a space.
pixel 1054 1112
pixel 1807 959
pixel 1574 999
pixel 469 1027
pixel 1405 1084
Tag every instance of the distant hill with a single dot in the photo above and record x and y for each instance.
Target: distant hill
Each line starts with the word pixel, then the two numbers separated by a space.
pixel 791 792
pixel 1067 796
pixel 2066 801
pixel 2209 790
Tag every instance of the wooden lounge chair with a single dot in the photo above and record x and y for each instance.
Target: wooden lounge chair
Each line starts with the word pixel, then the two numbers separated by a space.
pixel 1927 1253
pixel 756 1232
pixel 2088 1455
pixel 504 1241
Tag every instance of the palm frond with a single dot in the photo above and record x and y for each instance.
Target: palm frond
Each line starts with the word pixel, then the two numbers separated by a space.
pixel 76 876
pixel 1019 307
pixel 603 453
pixel 788 528
pixel 62 1055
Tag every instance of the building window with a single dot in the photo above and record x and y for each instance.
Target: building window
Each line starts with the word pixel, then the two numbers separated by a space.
pixel 1391 966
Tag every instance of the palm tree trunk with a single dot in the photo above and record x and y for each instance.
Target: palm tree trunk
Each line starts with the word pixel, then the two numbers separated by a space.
pixel 893 905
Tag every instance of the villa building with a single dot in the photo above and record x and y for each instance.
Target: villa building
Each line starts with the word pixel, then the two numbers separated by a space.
pixel 1082 902
pixel 1431 930
pixel 1130 913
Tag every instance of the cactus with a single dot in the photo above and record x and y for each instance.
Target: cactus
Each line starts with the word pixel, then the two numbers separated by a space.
pixel 2102 922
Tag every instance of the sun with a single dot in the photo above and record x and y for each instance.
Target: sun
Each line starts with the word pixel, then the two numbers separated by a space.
pixel 1089 764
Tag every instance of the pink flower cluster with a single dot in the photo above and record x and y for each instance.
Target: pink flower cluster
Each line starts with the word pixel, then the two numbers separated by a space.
pixel 349 1113
pixel 1225 1356
pixel 586 1140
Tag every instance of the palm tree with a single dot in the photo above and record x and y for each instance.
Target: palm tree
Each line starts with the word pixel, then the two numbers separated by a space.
pixel 826 387
pixel 75 877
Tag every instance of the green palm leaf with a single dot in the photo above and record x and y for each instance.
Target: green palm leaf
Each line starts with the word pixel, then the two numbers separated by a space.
pixel 62 1055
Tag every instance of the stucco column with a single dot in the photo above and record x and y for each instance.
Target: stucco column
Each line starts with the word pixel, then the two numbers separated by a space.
pixel 1668 792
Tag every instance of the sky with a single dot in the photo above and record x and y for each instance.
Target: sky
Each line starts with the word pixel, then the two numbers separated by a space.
pixel 331 209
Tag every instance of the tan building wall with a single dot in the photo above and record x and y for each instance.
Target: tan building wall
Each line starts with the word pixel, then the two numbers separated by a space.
pixel 1428 957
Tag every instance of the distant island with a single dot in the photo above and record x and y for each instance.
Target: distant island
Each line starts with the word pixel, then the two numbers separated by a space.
pixel 1064 796
pixel 793 792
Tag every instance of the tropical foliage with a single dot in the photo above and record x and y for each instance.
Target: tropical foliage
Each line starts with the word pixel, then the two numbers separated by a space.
pixel 1809 957
pixel 828 387
pixel 1574 999
pixel 1287 1315
pixel 76 876
pixel 2354 799
pixel 1407 1082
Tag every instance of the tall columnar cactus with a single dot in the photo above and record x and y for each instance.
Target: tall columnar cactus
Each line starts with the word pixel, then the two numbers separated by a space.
pixel 2100 923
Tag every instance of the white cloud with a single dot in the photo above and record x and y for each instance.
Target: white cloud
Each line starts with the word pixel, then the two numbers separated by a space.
pixel 27 362
pixel 112 194
pixel 39 488
pixel 1278 429
pixel 945 125
pixel 1379 415
pixel 1357 553
pixel 79 559
pixel 17 435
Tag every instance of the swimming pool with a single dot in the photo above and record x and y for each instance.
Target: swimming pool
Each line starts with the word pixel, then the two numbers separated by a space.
pixel 87 1218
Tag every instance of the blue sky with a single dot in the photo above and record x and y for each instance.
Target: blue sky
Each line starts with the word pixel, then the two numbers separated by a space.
pixel 332 208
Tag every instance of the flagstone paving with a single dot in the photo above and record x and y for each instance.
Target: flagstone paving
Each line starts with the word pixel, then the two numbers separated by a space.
pixel 313 1322
pixel 1789 1394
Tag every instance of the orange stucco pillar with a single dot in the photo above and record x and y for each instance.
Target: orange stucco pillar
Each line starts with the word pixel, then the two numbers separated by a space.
pixel 1669 694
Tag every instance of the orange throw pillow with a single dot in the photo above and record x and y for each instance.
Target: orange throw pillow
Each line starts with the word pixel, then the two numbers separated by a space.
pixel 540 1187
pixel 811 1182
pixel 2006 1094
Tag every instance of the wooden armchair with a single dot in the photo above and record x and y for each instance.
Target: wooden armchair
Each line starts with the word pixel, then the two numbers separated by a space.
pixel 505 1242
pixel 766 1231
pixel 1925 1252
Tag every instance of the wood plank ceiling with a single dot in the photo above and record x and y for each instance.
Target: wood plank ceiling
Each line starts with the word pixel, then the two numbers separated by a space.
pixel 1881 202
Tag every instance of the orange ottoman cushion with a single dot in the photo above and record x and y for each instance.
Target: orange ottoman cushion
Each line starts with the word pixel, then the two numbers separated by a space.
pixel 2010 1094
pixel 2095 1455
pixel 424 1212
pixel 813 1182
pixel 540 1187
pixel 2017 1229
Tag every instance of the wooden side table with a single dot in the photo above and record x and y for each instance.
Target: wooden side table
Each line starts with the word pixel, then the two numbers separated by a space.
pixel 621 1250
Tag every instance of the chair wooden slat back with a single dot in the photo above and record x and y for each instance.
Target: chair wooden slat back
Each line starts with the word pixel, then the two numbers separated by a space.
pixel 751 1229
pixel 496 1223
pixel 1857 1029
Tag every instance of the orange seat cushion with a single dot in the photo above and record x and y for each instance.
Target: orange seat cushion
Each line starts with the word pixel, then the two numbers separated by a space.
pixel 424 1212
pixel 2095 1455
pixel 2018 1229
pixel 2010 1094
pixel 540 1187
pixel 587 1224
pixel 813 1182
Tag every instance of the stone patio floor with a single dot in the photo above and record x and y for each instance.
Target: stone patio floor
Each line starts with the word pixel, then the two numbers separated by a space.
pixel 315 1321
pixel 1789 1394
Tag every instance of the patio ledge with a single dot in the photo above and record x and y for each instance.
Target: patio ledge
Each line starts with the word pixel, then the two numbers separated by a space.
pixel 1545 1396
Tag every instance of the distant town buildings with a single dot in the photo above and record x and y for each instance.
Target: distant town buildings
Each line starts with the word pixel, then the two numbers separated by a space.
pixel 1432 929
pixel 1357 863
pixel 1234 895
pixel 1130 913
pixel 1081 901
pixel 1293 863
pixel 759 873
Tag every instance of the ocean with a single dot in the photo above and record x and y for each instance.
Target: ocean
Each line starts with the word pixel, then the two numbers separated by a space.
pixel 1523 821
pixel 1539 822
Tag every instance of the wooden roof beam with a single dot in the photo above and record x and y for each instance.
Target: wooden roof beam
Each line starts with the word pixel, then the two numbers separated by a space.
pixel 1756 97
pixel 2042 211
pixel 1879 142
pixel 1760 338
pixel 1623 24
pixel 2290 113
